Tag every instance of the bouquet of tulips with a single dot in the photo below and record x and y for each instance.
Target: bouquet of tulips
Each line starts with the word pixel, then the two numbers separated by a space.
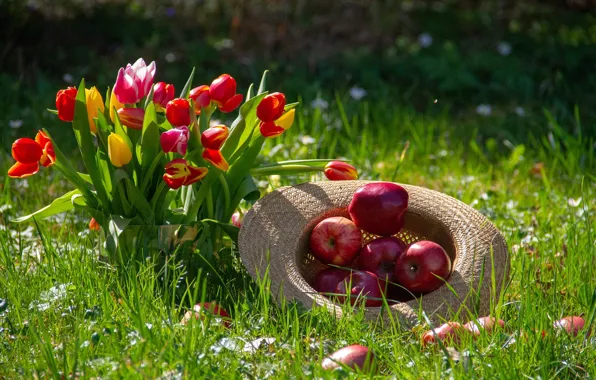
pixel 154 159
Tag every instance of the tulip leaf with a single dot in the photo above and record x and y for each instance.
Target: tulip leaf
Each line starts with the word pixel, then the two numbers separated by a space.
pixel 85 177
pixel 139 202
pixel 290 106
pixel 55 112
pixel 149 98
pixel 239 132
pixel 59 205
pixel 264 80
pixel 82 131
pixel 103 162
pixel 251 92
pixel 284 169
pixel 230 230
pixel 186 90
pixel 116 225
pixel 237 173
pixel 103 131
pixel 150 139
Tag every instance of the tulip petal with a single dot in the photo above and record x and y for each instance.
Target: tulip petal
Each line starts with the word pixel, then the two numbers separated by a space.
pixel 178 112
pixel 269 129
pixel 196 174
pixel 271 107
pixel 118 150
pixel 175 140
pixel 340 171
pixel 222 88
pixel 125 88
pixel 215 158
pixel 231 104
pixel 132 117
pixel 214 137
pixel 20 170
pixel 26 151
pixel 286 120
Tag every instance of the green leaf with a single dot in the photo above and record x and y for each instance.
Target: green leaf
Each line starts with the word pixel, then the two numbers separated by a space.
pixel 85 177
pixel 263 84
pixel 250 93
pixel 230 230
pixel 149 98
pixel 59 205
pixel 103 131
pixel 186 90
pixel 150 147
pixel 116 226
pixel 139 202
pixel 239 132
pixel 105 168
pixel 55 112
pixel 82 131
pixel 284 169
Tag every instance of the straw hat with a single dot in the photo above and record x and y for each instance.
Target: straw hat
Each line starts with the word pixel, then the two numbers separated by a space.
pixel 275 236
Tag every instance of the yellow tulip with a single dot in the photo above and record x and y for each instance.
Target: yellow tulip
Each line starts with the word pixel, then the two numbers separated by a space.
pixel 287 119
pixel 94 106
pixel 118 150
pixel 114 103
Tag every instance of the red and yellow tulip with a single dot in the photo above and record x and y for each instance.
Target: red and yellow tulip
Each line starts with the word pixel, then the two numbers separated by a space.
pixel 214 137
pixel 28 154
pixel 180 173
pixel 132 117
pixel 338 171
pixel 65 103
pixel 215 158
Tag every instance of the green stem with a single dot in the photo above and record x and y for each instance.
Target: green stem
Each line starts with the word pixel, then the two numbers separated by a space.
pixel 226 192
pixel 204 119
pixel 209 204
pixel 284 169
pixel 149 172
pixel 201 194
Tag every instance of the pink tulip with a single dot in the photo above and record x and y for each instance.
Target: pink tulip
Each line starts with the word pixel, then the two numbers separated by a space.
pixel 163 93
pixel 237 218
pixel 175 140
pixel 134 82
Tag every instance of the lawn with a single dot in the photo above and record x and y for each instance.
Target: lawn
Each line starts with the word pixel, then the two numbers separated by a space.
pixel 65 313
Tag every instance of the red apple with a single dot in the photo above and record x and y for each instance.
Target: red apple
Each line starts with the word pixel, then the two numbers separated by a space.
pixel 327 280
pixel 354 356
pixel 336 241
pixel 571 325
pixel 379 208
pixel 362 286
pixel 417 269
pixel 448 333
pixel 379 256
pixel 484 323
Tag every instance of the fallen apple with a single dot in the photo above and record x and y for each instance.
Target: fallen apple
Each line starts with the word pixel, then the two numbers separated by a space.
pixel 417 269
pixel 379 208
pixel 362 286
pixel 483 323
pixel 449 332
pixel 571 325
pixel 335 240
pixel 200 310
pixel 379 256
pixel 327 280
pixel 354 356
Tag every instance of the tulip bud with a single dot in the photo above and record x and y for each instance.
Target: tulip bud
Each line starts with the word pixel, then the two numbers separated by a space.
pixel 215 158
pixel 118 150
pixel 48 155
pixel 271 107
pixel 175 140
pixel 114 104
pixel 237 219
pixel 132 117
pixel 214 137
pixel 95 105
pixel 65 103
pixel 223 92
pixel 163 93
pixel 26 151
pixel 177 112
pixel 200 95
pixel 93 225
pixel 338 170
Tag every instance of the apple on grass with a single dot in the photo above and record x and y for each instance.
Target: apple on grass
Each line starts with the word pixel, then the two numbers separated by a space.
pixel 423 267
pixel 379 256
pixel 335 240
pixel 363 287
pixel 448 333
pixel 379 208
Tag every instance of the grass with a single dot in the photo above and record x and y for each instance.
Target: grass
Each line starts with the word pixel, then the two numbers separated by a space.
pixel 69 315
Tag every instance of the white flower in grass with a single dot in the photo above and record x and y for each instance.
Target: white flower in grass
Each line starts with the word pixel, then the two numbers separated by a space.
pixel 484 109
pixel 574 202
pixel 15 124
pixel 425 40
pixel 307 140
pixel 170 57
pixel 68 78
pixel 319 103
pixel 519 111
pixel 504 48
pixel 357 93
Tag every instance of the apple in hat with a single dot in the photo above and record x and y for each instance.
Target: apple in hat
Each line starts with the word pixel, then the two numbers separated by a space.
pixel 335 240
pixel 379 208
pixel 417 269
pixel 379 256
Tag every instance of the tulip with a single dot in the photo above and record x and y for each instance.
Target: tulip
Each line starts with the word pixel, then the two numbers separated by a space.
pixel 180 173
pixel 93 225
pixel 214 137
pixel 65 103
pixel 118 150
pixel 132 117
pixel 162 94
pixel 134 82
pixel 223 92
pixel 48 156
pixel 215 158
pixel 271 107
pixel 94 106
pixel 26 151
pixel 277 127
pixel 20 170
pixel 338 170
pixel 177 112
pixel 115 105
pixel 175 140
pixel 237 219
pixel 200 95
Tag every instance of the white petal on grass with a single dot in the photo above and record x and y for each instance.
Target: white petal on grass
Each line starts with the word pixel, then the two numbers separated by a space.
pixel 253 346
pixel 484 109
pixel 520 111
pixel 319 103
pixel 574 202
pixel 357 93
pixel 68 78
pixel 14 124
pixel 170 57
pixel 307 140
pixel 425 40
pixel 504 48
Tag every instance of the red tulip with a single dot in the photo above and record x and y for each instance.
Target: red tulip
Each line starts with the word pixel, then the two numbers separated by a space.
pixel 93 225
pixel 223 92
pixel 48 156
pixel 162 94
pixel 215 158
pixel 338 170
pixel 132 117
pixel 277 127
pixel 180 173
pixel 214 137
pixel 178 112
pixel 26 151
pixel 237 218
pixel 271 107
pixel 65 103
pixel 200 95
